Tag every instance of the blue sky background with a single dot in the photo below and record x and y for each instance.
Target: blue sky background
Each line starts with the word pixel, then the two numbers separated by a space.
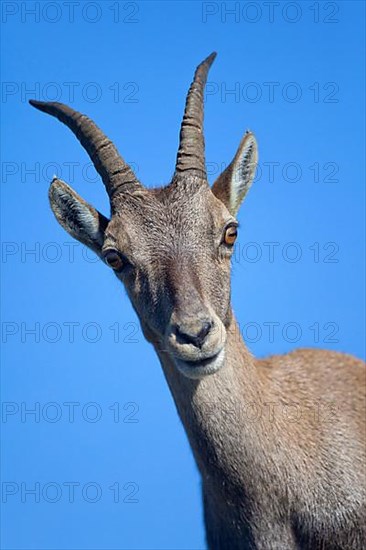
pixel 130 65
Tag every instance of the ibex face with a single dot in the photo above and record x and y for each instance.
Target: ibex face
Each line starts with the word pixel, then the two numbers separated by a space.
pixel 171 246
pixel 169 249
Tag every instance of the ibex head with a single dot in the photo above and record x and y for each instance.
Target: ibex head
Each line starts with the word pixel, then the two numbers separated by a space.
pixel 171 246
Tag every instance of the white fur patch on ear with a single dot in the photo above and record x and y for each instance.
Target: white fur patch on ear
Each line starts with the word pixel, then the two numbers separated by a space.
pixel 243 170
pixel 76 216
pixel 234 182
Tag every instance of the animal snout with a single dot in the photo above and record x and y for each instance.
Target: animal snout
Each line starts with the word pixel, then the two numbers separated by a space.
pixel 195 337
pixel 194 333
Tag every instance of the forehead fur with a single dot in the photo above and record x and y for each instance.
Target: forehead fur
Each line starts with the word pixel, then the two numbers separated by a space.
pixel 169 219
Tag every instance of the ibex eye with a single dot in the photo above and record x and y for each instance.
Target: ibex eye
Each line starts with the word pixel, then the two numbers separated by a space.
pixel 113 259
pixel 231 233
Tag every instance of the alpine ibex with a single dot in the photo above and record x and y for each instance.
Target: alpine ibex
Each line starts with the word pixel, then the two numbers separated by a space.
pixel 279 441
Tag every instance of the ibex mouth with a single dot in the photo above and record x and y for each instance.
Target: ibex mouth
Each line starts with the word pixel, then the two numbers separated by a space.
pixel 203 367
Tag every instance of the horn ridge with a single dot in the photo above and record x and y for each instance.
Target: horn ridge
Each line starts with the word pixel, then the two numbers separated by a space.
pixel 191 152
pixel 109 164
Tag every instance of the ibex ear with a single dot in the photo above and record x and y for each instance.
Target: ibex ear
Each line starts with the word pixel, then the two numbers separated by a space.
pixel 76 216
pixel 234 182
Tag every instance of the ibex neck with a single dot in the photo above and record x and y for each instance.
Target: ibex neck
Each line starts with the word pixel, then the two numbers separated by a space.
pixel 213 409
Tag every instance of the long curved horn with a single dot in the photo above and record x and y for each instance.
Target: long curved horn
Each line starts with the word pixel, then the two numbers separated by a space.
pixel 191 152
pixel 109 164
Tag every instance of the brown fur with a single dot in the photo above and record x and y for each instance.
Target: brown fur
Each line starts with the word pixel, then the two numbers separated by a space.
pixel 279 442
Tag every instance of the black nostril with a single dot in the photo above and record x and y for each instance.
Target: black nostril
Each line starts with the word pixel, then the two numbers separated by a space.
pixel 195 339
pixel 206 327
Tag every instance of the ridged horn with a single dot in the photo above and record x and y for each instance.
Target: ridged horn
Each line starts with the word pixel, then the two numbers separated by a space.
pixel 191 152
pixel 109 164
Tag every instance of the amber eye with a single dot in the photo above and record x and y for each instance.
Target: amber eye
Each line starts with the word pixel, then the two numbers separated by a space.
pixel 231 233
pixel 113 259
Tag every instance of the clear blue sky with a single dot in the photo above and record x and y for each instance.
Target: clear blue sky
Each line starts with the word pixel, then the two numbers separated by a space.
pixel 296 80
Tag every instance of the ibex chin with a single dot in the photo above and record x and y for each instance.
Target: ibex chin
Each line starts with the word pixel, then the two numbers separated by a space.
pixel 279 442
